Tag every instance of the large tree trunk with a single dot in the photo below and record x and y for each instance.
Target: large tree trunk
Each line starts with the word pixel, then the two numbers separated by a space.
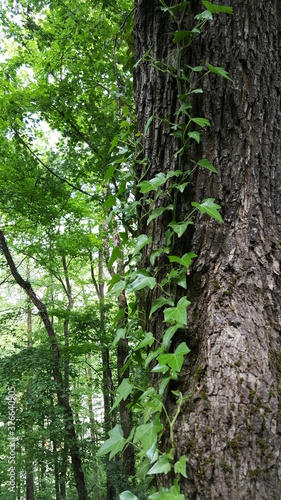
pixel 229 427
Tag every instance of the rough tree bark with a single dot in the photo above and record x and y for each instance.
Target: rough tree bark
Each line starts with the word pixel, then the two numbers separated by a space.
pixel 229 427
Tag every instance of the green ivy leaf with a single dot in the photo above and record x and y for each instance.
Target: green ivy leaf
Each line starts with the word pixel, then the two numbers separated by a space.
pixel 177 314
pixel 194 135
pixel 185 260
pixel 209 207
pixel 160 369
pixel 120 334
pixel 180 466
pixel 157 212
pixel 148 340
pixel 202 122
pixel 162 301
pixel 174 360
pixel 214 9
pixel 148 123
pixel 114 444
pixel 162 466
pixel 153 184
pixel 127 495
pixel 117 288
pixel 147 433
pixel 180 227
pixel 218 71
pixel 142 240
pixel 123 391
pixel 207 164
pixel 116 254
pixel 168 335
pixel 181 35
pixel 141 282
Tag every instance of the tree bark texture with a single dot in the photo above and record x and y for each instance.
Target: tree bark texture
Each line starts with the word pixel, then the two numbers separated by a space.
pixel 229 427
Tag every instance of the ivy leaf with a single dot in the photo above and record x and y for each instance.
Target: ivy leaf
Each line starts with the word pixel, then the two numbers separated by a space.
pixel 167 494
pixel 209 207
pixel 157 212
pixel 180 227
pixel 148 123
pixel 142 240
pixel 127 495
pixel 141 282
pixel 110 202
pixel 148 340
pixel 160 369
pixel 162 466
pixel 120 334
pixel 214 9
pixel 117 288
pixel 116 254
pixel 147 433
pixel 157 253
pixel 181 35
pixel 194 135
pixel 218 71
pixel 185 260
pixel 177 314
pixel 168 335
pixel 123 391
pixel 174 360
pixel 202 122
pixel 160 303
pixel 207 164
pixel 153 184
pixel 114 444
pixel 180 466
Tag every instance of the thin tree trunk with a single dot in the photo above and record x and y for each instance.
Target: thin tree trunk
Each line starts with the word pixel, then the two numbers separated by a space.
pixel 107 382
pixel 229 427
pixel 63 399
pixel 93 432
pixel 29 450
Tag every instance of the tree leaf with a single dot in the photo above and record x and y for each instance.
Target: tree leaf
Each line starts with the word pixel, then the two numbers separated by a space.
pixel 209 207
pixel 114 444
